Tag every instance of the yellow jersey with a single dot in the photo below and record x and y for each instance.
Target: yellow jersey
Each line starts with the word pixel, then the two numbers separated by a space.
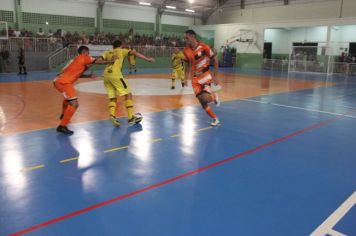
pixel 178 60
pixel 115 69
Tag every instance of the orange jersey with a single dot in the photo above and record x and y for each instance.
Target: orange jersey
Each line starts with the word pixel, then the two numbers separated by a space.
pixel 199 59
pixel 75 69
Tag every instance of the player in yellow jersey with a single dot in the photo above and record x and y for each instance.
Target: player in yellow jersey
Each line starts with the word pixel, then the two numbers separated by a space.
pixel 177 67
pixel 132 62
pixel 115 83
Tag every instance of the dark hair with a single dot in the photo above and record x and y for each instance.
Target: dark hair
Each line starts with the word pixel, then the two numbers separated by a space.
pixel 191 32
pixel 82 48
pixel 116 44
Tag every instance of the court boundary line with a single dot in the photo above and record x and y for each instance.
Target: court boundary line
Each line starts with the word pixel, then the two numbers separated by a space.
pixel 176 178
pixel 299 108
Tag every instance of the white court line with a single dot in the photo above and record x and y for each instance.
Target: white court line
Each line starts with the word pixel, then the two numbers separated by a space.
pixel 326 228
pixel 300 108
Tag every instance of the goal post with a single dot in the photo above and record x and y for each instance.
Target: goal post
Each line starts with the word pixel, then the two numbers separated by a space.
pixel 4 31
pixel 310 59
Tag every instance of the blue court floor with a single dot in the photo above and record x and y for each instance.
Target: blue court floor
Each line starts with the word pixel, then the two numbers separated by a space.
pixel 278 165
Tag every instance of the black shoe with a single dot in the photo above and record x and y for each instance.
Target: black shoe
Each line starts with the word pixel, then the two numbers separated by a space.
pixel 25 73
pixel 182 84
pixel 64 130
pixel 172 87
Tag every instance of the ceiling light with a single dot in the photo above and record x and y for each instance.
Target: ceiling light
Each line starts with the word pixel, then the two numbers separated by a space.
pixel 145 3
pixel 191 1
pixel 171 7
pixel 189 10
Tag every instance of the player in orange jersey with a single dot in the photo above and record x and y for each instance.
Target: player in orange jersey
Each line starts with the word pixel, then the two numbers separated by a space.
pixel 64 84
pixel 198 56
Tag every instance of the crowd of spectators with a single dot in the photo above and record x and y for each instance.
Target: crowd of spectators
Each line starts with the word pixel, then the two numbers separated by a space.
pixel 102 38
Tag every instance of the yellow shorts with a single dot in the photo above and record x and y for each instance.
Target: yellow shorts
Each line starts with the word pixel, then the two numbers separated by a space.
pixel 116 86
pixel 178 74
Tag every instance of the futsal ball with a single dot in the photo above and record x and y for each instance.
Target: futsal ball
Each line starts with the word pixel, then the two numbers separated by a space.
pixel 139 117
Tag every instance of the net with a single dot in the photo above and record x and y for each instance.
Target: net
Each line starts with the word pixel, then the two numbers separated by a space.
pixel 4 33
pixel 309 59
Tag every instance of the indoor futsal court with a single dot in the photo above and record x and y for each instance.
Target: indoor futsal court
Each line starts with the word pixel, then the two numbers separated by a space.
pixel 278 159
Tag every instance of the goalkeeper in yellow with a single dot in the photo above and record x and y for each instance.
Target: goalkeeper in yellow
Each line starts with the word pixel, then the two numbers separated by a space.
pixel 116 85
pixel 177 67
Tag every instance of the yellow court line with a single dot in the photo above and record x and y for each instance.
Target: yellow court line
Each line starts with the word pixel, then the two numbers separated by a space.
pixel 155 140
pixel 175 135
pixel 203 129
pixel 116 149
pixel 69 159
pixel 28 169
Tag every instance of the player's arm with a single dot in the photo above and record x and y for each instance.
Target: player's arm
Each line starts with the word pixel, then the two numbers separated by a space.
pixel 187 70
pixel 102 61
pixel 92 75
pixel 213 57
pixel 216 69
pixel 143 57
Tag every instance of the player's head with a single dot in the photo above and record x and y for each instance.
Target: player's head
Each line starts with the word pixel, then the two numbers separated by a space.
pixel 83 50
pixel 190 37
pixel 116 44
pixel 176 49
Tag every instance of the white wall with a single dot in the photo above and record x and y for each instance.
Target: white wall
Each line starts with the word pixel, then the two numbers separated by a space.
pixel 7 5
pixel 308 34
pixel 60 7
pixel 129 13
pixel 278 38
pixel 180 20
pixel 288 13
pixel 282 39
pixel 225 32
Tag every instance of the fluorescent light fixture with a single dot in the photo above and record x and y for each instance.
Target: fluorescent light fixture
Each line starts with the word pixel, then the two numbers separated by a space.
pixel 145 3
pixel 189 10
pixel 171 7
pixel 191 1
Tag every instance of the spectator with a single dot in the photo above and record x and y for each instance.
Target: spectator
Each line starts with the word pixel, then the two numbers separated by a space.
pixel 17 33
pixel 40 33
pixel 21 62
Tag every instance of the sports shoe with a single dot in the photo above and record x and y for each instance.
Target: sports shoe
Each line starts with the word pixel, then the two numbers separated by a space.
pixel 183 84
pixel 135 119
pixel 215 122
pixel 64 130
pixel 172 87
pixel 114 121
pixel 217 100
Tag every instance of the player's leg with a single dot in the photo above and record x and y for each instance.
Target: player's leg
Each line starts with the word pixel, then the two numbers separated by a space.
pixel 174 76
pixel 204 96
pixel 123 89
pixel 112 105
pixel 71 106
pixel 181 76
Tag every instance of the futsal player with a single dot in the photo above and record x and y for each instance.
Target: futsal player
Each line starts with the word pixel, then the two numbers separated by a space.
pixel 177 67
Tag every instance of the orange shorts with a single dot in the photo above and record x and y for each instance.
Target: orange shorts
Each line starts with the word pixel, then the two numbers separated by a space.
pixel 66 89
pixel 200 87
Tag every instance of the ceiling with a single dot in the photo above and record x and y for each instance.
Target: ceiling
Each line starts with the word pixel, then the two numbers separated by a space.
pixel 205 8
